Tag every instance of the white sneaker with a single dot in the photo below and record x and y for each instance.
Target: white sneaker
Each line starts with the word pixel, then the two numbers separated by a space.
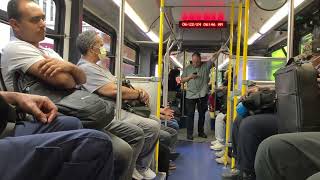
pixel 219 154
pixel 214 142
pixel 136 175
pixel 217 147
pixel 221 160
pixel 148 174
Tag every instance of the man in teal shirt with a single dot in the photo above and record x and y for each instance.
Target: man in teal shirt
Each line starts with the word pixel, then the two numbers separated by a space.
pixel 196 75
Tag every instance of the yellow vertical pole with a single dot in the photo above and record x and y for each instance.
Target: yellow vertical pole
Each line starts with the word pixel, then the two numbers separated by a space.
pixel 229 83
pixel 236 81
pixel 245 46
pixel 160 56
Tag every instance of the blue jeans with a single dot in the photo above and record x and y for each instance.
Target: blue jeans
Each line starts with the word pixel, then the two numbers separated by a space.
pixel 38 151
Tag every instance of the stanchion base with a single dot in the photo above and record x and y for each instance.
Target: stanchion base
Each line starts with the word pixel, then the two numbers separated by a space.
pixel 231 175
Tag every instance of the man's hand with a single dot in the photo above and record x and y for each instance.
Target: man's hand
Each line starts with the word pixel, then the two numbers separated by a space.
pixel 50 66
pixel 144 96
pixel 167 113
pixel 193 76
pixel 41 107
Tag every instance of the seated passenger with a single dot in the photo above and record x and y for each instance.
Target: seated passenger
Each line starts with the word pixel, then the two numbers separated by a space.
pixel 253 129
pixel 38 151
pixel 167 115
pixel 44 65
pixel 168 134
pixel 102 82
pixel 220 121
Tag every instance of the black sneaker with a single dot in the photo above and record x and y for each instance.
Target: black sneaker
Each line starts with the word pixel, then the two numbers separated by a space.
pixel 203 135
pixel 190 137
pixel 173 156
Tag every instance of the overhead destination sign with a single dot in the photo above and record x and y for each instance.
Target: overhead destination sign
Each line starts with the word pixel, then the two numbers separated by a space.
pixel 203 24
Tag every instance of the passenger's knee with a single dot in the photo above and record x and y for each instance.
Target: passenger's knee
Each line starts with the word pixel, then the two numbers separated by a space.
pixel 97 143
pixel 155 126
pixel 270 148
pixel 68 123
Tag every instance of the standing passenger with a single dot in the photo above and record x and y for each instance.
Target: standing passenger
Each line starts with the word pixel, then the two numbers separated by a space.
pixel 197 77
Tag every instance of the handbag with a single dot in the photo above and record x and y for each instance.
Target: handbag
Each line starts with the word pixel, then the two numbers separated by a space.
pixel 93 111
pixel 135 106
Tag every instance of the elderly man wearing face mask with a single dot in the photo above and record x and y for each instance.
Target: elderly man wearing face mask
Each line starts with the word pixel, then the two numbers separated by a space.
pixel 102 82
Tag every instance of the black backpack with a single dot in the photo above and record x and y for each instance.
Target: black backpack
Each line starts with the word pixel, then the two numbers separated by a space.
pixel 261 102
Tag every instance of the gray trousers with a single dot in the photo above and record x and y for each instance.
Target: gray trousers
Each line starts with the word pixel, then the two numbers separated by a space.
pixel 151 130
pixel 128 140
pixel 293 156
pixel 141 134
pixel 169 137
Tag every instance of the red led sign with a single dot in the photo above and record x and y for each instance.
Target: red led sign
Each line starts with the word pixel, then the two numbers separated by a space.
pixel 203 24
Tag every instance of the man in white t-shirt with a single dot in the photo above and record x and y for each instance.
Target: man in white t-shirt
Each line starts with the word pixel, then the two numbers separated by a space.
pixel 26 55
pixel 102 82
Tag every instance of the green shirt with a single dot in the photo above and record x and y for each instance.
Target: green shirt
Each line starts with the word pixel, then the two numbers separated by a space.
pixel 197 88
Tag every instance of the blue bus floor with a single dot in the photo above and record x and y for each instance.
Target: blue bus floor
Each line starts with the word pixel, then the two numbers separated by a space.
pixel 196 162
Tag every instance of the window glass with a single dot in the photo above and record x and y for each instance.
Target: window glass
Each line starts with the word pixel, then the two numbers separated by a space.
pixel 305 40
pixel 129 53
pixel 106 37
pixel 6 35
pixel 3 4
pixel 278 54
pixel 47 43
pixel 128 69
pixel 48 7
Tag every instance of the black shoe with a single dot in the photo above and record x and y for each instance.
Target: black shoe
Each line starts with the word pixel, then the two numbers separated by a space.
pixel 248 176
pixel 174 156
pixel 203 135
pixel 190 137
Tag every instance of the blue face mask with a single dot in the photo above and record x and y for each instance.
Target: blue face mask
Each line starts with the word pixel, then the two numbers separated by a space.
pixel 242 110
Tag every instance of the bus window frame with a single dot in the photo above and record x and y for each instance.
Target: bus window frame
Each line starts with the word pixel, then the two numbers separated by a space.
pixel 57 34
pixel 136 48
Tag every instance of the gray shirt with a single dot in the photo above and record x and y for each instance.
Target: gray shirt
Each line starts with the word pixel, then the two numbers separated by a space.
pixel 197 88
pixel 21 55
pixel 96 75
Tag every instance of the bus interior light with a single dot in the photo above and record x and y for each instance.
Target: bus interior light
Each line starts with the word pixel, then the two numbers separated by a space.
pixel 129 11
pixel 274 20
pixel 253 38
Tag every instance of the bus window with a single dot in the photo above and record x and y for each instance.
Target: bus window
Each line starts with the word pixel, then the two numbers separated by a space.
pixel 305 40
pixel 6 35
pixel 128 69
pixel 130 61
pixel 47 43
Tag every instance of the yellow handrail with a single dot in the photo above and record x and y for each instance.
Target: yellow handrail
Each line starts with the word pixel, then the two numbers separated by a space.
pixel 229 83
pixel 236 79
pixel 160 54
pixel 245 46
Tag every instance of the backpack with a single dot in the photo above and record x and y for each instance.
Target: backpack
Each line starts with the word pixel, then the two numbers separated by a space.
pixel 260 102
pixel 135 106
pixel 93 111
